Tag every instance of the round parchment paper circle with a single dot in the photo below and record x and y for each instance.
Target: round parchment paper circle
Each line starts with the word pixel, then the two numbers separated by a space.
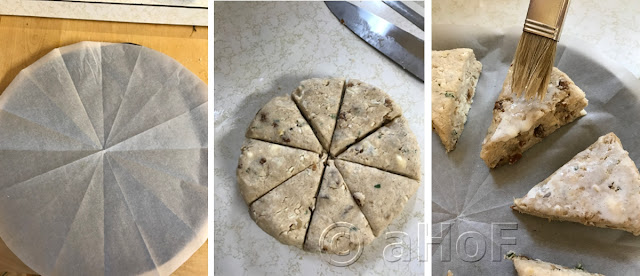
pixel 103 157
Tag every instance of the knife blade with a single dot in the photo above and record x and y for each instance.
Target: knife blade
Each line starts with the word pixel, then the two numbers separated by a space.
pixel 398 45
pixel 407 13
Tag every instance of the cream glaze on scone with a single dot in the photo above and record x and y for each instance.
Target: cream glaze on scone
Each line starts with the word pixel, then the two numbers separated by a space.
pixel 336 211
pixel 392 148
pixel 518 124
pixel 280 122
pixel 364 109
pixel 527 267
pixel 319 101
pixel 263 166
pixel 599 187
pixel 454 75
pixel 284 212
pixel 380 195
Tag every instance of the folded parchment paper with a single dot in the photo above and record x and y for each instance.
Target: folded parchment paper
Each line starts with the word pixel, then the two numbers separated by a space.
pixel 471 203
pixel 103 162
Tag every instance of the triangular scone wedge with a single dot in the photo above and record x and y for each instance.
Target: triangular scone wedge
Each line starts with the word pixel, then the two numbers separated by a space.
pixel 528 267
pixel 381 195
pixel 263 166
pixel 336 212
pixel 454 75
pixel 319 101
pixel 279 121
pixel 392 148
pixel 364 109
pixel 284 212
pixel 599 187
pixel 518 124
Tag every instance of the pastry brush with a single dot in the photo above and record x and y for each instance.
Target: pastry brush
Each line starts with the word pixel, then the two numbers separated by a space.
pixel 533 61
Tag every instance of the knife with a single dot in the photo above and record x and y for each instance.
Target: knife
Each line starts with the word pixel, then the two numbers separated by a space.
pixel 400 46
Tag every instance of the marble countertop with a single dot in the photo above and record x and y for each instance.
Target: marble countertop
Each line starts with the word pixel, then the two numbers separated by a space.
pixel 264 49
pixel 612 26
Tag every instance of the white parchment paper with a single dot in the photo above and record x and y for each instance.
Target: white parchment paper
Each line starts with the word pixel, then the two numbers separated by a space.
pixel 471 203
pixel 103 162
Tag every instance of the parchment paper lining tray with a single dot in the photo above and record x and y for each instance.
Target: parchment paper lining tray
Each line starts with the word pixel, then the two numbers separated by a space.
pixel 103 162
pixel 467 196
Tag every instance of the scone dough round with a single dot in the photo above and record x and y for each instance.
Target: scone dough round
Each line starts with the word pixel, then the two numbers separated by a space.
pixel 334 160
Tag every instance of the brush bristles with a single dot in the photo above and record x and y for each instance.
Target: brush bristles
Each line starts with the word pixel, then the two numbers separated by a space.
pixel 532 65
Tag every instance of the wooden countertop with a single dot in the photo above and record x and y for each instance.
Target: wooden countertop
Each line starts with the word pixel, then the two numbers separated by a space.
pixel 26 39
